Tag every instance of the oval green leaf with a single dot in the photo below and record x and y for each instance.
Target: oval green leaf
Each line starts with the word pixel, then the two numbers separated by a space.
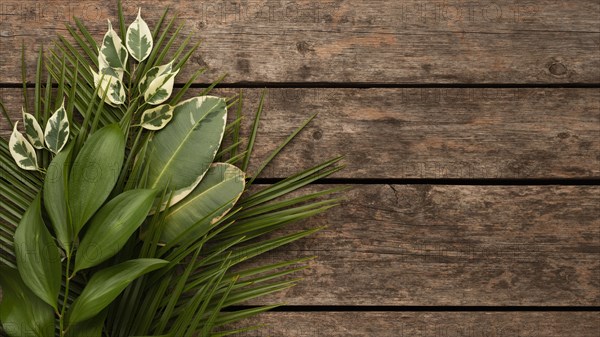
pixel 139 38
pixel 112 226
pixel 55 197
pixel 112 52
pixel 157 118
pixel 218 191
pixel 94 173
pixel 107 284
pixel 21 151
pixel 152 74
pixel 57 130
pixel 38 259
pixel 33 130
pixel 21 312
pixel 180 154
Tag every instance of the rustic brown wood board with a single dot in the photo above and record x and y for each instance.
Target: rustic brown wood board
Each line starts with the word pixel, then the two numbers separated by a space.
pixel 470 132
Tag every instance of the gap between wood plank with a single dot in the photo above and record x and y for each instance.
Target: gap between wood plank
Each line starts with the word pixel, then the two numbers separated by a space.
pixel 364 85
pixel 360 308
pixel 450 181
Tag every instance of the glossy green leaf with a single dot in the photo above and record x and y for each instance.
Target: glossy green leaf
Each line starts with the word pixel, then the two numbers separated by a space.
pixel 175 159
pixel 139 38
pixel 112 51
pixel 92 327
pixel 57 130
pixel 222 185
pixel 33 130
pixel 111 86
pixel 94 173
pixel 22 313
pixel 38 259
pixel 22 152
pixel 107 284
pixel 55 197
pixel 111 227
pixel 157 118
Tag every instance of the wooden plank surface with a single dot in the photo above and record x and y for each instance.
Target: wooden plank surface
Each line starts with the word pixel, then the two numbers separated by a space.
pixel 438 245
pixel 424 324
pixel 415 41
pixel 425 133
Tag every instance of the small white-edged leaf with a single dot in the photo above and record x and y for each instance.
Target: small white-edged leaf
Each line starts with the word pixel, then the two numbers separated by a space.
pixel 33 130
pixel 116 91
pixel 157 118
pixel 153 73
pixel 160 89
pixel 139 38
pixel 22 152
pixel 57 130
pixel 112 49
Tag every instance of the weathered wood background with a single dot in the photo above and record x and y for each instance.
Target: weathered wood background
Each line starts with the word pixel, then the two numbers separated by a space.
pixel 471 132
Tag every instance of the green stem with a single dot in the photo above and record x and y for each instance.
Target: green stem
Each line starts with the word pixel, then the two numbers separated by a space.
pixel 63 309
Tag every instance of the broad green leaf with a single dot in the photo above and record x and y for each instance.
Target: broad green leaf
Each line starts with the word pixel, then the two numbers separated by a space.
pixel 112 51
pixel 33 130
pixel 111 227
pixel 157 118
pixel 38 259
pixel 222 185
pixel 152 74
pixel 160 89
pixel 139 38
pixel 22 313
pixel 57 130
pixel 106 284
pixel 94 174
pixel 107 81
pixel 92 327
pixel 55 197
pixel 22 152
pixel 175 159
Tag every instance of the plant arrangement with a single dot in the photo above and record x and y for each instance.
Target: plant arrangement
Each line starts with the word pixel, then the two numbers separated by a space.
pixel 127 210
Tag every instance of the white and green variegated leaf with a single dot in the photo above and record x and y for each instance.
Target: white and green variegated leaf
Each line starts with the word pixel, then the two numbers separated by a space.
pixel 152 74
pixel 175 160
pixel 57 130
pixel 106 70
pixel 116 92
pixel 22 152
pixel 33 130
pixel 160 89
pixel 218 191
pixel 139 38
pixel 112 51
pixel 157 118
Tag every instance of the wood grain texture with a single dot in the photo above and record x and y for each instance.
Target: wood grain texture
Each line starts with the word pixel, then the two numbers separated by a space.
pixel 436 245
pixel 423 324
pixel 424 133
pixel 415 41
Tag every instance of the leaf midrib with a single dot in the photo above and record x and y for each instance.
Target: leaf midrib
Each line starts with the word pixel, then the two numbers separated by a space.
pixel 180 146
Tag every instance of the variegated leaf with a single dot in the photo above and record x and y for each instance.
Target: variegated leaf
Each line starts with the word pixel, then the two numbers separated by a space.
pixel 139 38
pixel 116 91
pixel 22 152
pixel 57 130
pixel 157 118
pixel 153 73
pixel 33 130
pixel 107 70
pixel 112 50
pixel 160 89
